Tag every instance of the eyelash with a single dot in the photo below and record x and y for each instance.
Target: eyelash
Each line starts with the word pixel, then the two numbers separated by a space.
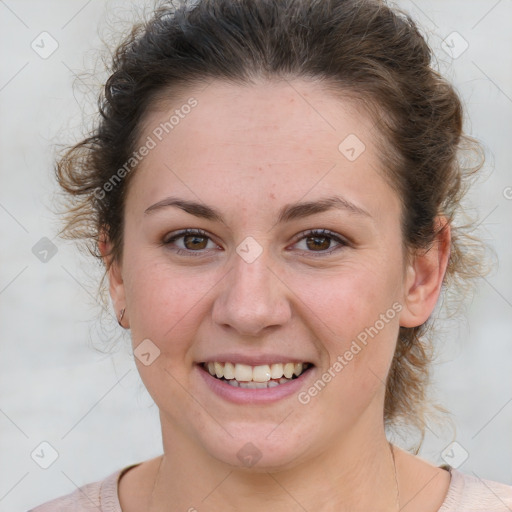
pixel 307 234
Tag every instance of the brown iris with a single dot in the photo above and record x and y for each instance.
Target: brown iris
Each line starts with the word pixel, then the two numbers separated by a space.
pixel 318 242
pixel 197 242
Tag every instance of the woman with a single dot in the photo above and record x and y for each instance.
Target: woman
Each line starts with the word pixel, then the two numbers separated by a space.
pixel 273 188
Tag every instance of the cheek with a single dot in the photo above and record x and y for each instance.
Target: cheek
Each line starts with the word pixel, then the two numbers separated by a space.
pixel 349 299
pixel 352 314
pixel 166 307
pixel 165 303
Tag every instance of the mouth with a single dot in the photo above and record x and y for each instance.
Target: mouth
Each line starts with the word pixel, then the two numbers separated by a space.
pixel 262 376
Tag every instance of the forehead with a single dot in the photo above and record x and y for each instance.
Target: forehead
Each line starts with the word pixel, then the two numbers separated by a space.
pixel 256 112
pixel 290 137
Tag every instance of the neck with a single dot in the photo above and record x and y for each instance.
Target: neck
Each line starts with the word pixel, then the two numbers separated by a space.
pixel 356 474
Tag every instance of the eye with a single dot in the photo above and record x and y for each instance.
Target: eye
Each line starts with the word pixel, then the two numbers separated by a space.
pixel 190 242
pixel 196 242
pixel 320 241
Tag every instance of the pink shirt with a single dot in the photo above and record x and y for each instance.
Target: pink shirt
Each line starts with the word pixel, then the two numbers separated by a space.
pixel 466 494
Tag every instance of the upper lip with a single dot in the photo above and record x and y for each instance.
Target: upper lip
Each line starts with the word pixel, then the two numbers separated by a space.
pixel 253 360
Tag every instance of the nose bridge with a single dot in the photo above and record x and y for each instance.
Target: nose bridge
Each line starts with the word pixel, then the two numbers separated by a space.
pixel 252 297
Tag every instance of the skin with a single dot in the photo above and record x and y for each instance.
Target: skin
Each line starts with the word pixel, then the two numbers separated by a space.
pixel 248 151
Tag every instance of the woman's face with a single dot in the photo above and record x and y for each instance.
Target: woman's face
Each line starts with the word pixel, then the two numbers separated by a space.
pixel 255 169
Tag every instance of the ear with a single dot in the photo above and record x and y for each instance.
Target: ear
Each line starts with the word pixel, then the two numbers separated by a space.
pixel 424 277
pixel 114 276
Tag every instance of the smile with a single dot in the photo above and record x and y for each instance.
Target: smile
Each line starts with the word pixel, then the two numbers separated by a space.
pixel 255 377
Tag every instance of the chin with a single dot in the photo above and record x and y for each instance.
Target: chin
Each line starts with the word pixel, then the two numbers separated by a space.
pixel 253 449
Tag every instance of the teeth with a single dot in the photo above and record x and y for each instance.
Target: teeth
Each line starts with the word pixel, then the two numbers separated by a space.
pixel 229 371
pixel 243 372
pixel 261 373
pixel 276 371
pixel 288 370
pixel 219 370
pixel 264 375
pixel 253 385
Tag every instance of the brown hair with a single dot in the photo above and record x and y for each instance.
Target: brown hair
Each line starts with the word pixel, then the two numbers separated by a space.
pixel 360 47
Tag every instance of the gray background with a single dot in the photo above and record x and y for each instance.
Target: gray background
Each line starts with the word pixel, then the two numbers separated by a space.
pixel 56 384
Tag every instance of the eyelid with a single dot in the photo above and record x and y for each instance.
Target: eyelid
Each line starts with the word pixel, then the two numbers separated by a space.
pixel 176 235
pixel 321 232
pixel 339 239
pixel 185 232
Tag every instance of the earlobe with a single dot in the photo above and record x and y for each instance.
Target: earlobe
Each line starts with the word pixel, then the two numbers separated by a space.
pixel 115 280
pixel 424 278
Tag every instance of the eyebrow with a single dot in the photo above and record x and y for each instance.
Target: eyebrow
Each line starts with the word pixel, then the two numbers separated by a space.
pixel 289 212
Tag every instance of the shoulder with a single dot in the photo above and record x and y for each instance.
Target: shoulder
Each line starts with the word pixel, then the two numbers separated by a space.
pixel 474 494
pixel 100 496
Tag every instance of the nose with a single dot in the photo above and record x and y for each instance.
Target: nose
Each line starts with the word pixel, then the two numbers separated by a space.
pixel 253 298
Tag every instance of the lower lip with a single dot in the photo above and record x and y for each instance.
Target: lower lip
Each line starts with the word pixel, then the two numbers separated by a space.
pixel 254 396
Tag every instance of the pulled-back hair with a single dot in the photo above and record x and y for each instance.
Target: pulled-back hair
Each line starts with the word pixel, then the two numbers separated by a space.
pixel 360 48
